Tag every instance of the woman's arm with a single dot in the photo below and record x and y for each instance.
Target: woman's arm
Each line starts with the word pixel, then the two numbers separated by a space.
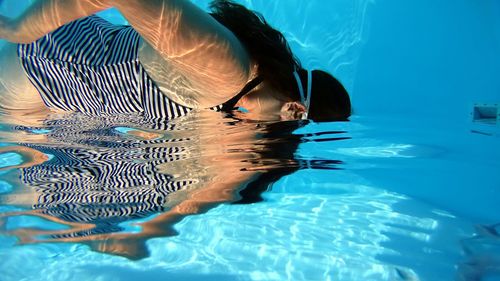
pixel 203 50
pixel 45 16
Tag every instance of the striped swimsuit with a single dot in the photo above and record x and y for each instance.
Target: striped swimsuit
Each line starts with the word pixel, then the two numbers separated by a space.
pixel 92 66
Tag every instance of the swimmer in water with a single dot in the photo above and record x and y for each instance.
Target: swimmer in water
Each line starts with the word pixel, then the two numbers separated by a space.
pixel 172 59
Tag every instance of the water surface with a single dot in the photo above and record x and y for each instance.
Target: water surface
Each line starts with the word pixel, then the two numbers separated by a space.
pixel 208 197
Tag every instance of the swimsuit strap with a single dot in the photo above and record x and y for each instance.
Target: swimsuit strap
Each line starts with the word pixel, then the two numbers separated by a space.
pixel 230 104
pixel 305 98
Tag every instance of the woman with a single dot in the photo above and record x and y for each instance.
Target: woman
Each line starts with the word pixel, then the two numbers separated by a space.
pixel 175 59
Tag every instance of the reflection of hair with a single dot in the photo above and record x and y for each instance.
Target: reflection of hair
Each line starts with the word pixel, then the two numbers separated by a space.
pixel 266 45
pixel 278 158
pixel 280 145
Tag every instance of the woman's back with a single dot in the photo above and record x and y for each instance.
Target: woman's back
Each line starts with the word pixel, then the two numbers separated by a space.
pixel 92 66
pixel 202 50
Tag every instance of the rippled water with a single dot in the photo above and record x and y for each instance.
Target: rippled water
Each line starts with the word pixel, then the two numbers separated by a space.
pixel 92 174
pixel 208 197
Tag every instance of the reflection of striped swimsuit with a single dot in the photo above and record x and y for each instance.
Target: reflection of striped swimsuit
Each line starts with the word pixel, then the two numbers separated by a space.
pixel 98 175
pixel 92 66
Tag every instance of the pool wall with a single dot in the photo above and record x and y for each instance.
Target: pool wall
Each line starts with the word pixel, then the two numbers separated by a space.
pixel 430 58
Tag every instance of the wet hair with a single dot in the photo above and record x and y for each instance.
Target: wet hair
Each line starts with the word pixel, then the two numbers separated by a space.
pixel 265 44
pixel 276 62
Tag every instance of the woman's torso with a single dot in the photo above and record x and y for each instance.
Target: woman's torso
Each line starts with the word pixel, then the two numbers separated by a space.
pixel 92 66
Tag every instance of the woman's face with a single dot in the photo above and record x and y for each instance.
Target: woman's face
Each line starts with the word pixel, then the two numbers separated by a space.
pixel 264 104
pixel 260 105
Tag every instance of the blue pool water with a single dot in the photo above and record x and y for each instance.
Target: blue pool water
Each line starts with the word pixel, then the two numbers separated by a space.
pixel 413 193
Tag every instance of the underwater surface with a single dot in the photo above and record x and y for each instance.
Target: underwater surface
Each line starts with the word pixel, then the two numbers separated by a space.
pixel 342 201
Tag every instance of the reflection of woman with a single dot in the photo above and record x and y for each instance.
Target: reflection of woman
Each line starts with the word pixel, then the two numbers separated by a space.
pixel 173 59
pixel 93 187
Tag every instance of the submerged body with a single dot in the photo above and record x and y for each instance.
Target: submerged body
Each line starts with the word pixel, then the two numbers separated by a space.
pixel 173 59
pixel 33 74
pixel 92 66
pixel 193 60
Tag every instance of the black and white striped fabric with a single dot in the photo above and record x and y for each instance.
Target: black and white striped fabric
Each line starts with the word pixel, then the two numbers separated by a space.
pixel 103 186
pixel 91 66
pixel 98 174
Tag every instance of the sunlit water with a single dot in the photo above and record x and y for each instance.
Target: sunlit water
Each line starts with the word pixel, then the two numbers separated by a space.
pixel 329 216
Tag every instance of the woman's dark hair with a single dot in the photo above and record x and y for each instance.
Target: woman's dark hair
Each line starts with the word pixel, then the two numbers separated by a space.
pixel 276 62
pixel 265 44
